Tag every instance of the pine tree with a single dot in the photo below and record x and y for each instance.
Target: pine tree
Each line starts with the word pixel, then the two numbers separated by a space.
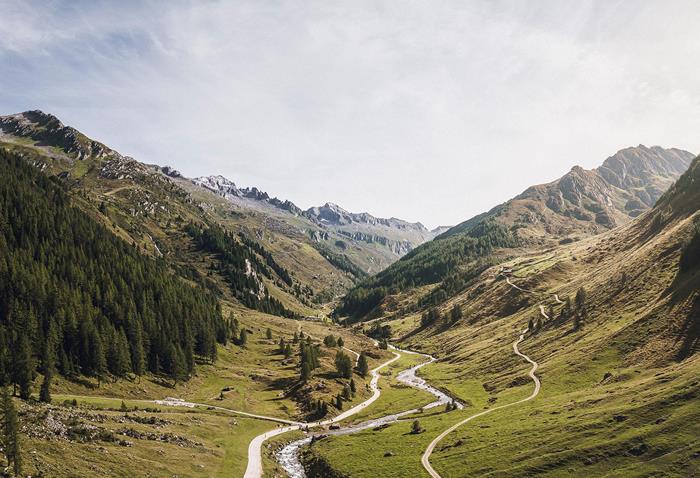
pixel 287 351
pixel 362 366
pixel 48 360
pixel 455 313
pixel 10 432
pixel 340 342
pixel 24 367
pixel 98 357
pixel 416 428
pixel 243 338
pixel 581 299
pixel 347 393
pixel 282 345
pixel 343 364
pixel 353 387
pixel 339 402
pixel 305 372
pixel 296 338
pixel 268 334
pixel 138 361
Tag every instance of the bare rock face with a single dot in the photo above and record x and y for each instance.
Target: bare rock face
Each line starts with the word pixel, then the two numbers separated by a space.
pixel 171 172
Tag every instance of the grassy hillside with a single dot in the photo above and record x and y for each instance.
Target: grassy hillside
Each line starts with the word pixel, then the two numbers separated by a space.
pixel 619 383
pixel 580 204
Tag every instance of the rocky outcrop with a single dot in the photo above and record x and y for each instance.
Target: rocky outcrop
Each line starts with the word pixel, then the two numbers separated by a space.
pixel 335 215
pixel 46 129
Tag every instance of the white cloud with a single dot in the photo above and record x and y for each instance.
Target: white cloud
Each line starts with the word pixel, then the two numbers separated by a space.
pixel 430 111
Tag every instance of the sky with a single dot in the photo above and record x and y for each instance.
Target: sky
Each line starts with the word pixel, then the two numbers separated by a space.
pixel 429 111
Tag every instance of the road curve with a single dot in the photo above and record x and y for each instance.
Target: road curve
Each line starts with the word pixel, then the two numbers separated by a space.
pixel 425 459
pixel 255 469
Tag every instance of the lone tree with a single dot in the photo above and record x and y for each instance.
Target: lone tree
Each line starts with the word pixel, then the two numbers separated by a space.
pixel 10 432
pixel 581 299
pixel 455 313
pixel 343 364
pixel 340 342
pixel 362 366
pixel 353 387
pixel 268 333
pixel 282 345
pixel 243 338
pixel 416 428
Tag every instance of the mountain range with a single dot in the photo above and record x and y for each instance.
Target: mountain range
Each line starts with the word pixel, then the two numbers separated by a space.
pixel 123 283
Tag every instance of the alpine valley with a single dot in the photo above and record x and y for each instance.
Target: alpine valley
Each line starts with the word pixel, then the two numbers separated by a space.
pixel 157 325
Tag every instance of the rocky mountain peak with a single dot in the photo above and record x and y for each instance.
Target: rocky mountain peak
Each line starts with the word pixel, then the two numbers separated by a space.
pixel 48 130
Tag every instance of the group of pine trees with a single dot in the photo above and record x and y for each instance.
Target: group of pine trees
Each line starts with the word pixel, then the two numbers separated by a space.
pixel 240 265
pixel 309 354
pixel 75 299
pixel 432 262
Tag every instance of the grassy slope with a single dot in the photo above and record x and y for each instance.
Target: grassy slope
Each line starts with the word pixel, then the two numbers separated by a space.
pixel 641 419
pixel 220 447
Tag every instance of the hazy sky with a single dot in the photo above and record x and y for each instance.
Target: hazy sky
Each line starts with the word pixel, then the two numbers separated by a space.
pixel 424 110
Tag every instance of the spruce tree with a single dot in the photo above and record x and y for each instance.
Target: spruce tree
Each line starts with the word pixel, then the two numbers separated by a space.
pixel 48 360
pixel 243 338
pixel 416 428
pixel 10 432
pixel 581 299
pixel 339 402
pixel 362 366
pixel 305 372
pixel 98 357
pixel 343 364
pixel 268 333
pixel 353 387
pixel 24 367
pixel 340 342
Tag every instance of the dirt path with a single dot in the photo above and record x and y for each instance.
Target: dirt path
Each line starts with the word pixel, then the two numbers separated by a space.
pixel 255 469
pixel 120 188
pixel 425 459
pixel 176 402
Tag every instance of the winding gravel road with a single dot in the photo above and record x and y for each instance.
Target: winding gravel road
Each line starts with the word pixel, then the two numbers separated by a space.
pixel 425 459
pixel 254 468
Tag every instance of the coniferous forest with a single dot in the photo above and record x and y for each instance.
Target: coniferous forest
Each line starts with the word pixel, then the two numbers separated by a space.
pixel 77 300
